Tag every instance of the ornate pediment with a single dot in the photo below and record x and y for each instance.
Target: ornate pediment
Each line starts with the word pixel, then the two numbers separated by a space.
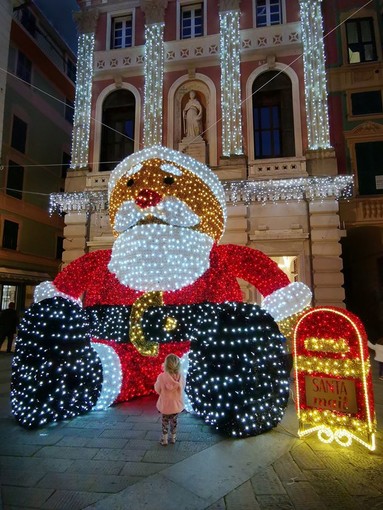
pixel 366 130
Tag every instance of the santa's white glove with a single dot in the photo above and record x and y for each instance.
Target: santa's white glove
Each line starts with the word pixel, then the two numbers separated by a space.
pixel 287 301
pixel 46 290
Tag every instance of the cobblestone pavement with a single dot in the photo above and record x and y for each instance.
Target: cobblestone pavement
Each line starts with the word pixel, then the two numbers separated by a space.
pixel 112 460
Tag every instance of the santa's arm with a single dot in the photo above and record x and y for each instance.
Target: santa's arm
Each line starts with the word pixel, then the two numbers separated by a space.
pixel 281 298
pixel 74 279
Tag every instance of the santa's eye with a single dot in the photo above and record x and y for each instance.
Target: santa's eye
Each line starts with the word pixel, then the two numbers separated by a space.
pixel 168 179
pixel 130 182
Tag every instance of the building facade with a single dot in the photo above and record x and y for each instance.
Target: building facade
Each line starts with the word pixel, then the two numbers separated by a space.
pixel 240 85
pixel 37 98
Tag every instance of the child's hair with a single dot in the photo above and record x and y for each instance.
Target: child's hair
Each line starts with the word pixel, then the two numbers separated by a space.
pixel 172 364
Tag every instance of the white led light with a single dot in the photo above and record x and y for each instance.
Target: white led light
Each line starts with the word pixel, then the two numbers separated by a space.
pixel 111 373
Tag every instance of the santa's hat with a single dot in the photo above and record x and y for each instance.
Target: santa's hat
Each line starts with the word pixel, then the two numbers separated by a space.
pixel 132 163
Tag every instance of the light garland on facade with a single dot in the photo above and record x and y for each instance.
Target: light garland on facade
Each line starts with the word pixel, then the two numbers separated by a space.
pixel 318 130
pixel 154 78
pixel 82 110
pixel 230 45
pixel 305 188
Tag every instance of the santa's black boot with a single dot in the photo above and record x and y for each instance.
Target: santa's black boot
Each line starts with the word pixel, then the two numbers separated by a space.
pixel 56 374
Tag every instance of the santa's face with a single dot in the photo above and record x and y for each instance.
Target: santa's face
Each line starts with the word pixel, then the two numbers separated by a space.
pixel 166 220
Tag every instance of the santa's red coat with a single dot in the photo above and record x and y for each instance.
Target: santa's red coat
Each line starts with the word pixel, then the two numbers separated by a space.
pixel 89 277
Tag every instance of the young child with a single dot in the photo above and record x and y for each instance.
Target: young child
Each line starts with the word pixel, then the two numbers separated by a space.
pixel 170 385
pixel 378 348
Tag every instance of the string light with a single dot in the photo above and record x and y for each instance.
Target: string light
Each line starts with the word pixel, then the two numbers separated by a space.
pixel 318 130
pixel 307 188
pixel 154 78
pixel 230 46
pixel 81 120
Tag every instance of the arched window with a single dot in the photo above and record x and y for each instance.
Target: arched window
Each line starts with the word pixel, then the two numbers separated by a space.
pixel 117 135
pixel 273 120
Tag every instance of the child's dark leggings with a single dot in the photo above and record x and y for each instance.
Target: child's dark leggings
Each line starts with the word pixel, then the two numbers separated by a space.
pixel 169 419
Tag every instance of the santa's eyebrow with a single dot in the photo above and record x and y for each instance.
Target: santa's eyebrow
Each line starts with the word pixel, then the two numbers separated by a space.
pixel 171 169
pixel 134 169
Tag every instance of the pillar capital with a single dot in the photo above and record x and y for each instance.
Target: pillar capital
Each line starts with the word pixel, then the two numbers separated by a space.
pixel 86 20
pixel 154 10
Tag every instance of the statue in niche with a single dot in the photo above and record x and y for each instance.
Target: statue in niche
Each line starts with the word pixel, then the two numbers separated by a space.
pixel 192 116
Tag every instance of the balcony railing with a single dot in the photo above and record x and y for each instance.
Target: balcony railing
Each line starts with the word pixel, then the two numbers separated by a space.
pixel 201 48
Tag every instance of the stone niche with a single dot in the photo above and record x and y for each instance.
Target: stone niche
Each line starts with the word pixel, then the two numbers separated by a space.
pixel 195 145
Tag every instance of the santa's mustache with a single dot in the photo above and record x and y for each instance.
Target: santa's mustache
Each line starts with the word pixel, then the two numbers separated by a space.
pixel 170 210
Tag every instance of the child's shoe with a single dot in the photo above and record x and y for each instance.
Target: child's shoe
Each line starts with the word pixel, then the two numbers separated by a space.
pixel 172 438
pixel 164 440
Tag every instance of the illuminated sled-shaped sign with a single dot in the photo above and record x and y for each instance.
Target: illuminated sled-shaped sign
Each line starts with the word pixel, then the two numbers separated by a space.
pixel 334 395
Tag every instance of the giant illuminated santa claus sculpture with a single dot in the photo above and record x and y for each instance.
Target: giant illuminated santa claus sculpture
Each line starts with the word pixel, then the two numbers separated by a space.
pixel 98 333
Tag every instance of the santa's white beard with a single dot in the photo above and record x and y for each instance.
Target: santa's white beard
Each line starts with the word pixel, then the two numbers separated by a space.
pixel 160 257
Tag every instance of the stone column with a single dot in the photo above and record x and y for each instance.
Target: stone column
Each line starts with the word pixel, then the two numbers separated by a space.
pixel 76 230
pixel 233 164
pixel 326 251
pixel 86 23
pixel 154 70
pixel 230 47
pixel 320 155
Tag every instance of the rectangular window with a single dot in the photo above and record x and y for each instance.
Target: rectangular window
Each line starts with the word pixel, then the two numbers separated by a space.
pixel 23 67
pixel 65 162
pixel 15 180
pixel 10 234
pixel 71 70
pixel 122 32
pixel 69 110
pixel 268 12
pixel 366 103
pixel 267 132
pixel 19 134
pixel 59 247
pixel 191 21
pixel 369 161
pixel 28 20
pixel 360 40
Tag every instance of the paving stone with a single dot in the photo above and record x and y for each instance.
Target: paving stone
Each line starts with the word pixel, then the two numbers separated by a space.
pixel 167 454
pixel 242 498
pixel 71 481
pixel 113 484
pixel 71 500
pixel 123 455
pixel 142 444
pixel 331 491
pixel 267 482
pixel 305 457
pixel 20 496
pixel 18 450
pixel 21 478
pixel 275 502
pixel 108 467
pixel 142 468
pixel 287 469
pixel 218 505
pixel 66 452
pixel 124 433
pixel 107 442
pixel 73 441
pixel 190 446
pixel 35 463
pixel 303 496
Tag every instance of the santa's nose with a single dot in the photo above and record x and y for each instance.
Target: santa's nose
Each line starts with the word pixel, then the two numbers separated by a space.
pixel 148 198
